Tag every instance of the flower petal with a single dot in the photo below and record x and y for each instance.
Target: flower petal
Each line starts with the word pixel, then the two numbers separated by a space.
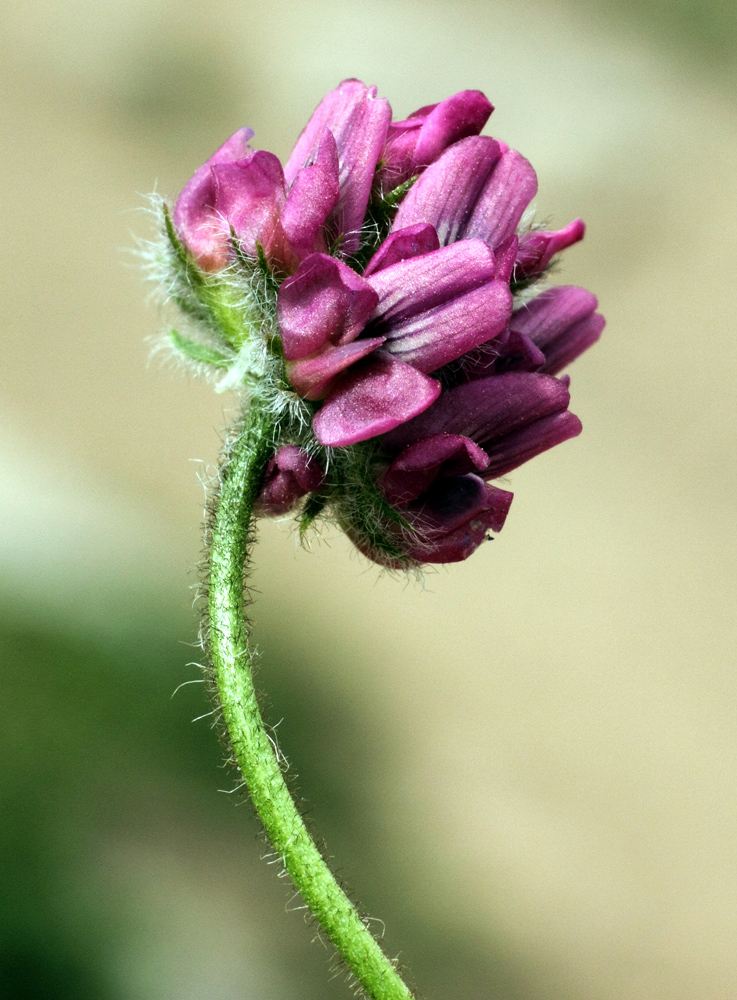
pixel 445 194
pixel 419 140
pixel 415 468
pixel 198 228
pixel 324 301
pixel 359 122
pixel 401 245
pixel 443 333
pixel 290 475
pixel 536 249
pixel 487 409
pixel 311 376
pixel 250 196
pixel 311 198
pixel 509 189
pixel 562 322
pixel 372 398
pixel 453 517
pixel 417 284
pixel 512 450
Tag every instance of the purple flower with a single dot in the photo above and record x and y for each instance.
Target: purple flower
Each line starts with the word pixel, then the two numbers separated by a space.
pixel 398 323
pixel 290 475
pixel 416 142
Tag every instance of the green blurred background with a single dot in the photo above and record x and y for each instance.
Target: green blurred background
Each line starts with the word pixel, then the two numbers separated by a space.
pixel 527 767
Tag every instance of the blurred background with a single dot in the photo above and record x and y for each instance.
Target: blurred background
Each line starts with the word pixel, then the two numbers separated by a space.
pixel 525 768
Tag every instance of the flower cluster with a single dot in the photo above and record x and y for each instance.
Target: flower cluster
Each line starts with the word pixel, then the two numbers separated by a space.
pixel 391 255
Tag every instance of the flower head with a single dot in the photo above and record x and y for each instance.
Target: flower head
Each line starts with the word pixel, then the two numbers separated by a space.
pixel 376 280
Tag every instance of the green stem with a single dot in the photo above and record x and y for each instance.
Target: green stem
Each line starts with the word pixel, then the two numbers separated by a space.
pixel 231 534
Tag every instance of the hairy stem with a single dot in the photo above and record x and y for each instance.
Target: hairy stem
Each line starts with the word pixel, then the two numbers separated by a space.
pixel 231 533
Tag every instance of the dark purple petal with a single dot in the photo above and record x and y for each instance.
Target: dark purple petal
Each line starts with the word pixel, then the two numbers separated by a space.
pixel 289 476
pixel 578 338
pixel 453 517
pixel 401 245
pixel 562 322
pixel 417 284
pixel 198 228
pixel 415 468
pixel 536 249
pixel 487 409
pixel 359 122
pixel 311 198
pixel 509 189
pixel 312 376
pixel 431 339
pixel 419 140
pixel 324 301
pixel 512 450
pixel 372 398
pixel 445 194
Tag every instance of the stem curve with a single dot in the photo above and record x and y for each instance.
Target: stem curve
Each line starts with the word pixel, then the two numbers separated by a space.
pixel 227 635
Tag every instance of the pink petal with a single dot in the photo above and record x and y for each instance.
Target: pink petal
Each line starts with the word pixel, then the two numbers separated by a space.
pixel 250 196
pixel 290 475
pixel 401 245
pixel 562 322
pixel 324 301
pixel 488 408
pixel 198 228
pixel 512 450
pixel 359 122
pixel 372 398
pixel 311 198
pixel 445 332
pixel 454 517
pixel 537 249
pixel 416 284
pixel 311 376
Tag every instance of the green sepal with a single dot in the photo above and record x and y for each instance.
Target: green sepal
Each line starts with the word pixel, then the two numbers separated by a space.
pixel 314 506
pixel 189 270
pixel 198 352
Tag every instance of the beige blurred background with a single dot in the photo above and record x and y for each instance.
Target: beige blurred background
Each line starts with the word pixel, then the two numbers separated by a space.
pixel 527 767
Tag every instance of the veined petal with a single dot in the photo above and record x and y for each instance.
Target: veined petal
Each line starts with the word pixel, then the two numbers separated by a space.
pixel 446 193
pixel 359 120
pixel 487 409
pixel 325 301
pixel 372 398
pixel 562 322
pixel 311 376
pixel 311 198
pixel 512 450
pixel 508 190
pixel 417 284
pixel 443 333
pixel 198 228
pixel 401 245
pixel 415 468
